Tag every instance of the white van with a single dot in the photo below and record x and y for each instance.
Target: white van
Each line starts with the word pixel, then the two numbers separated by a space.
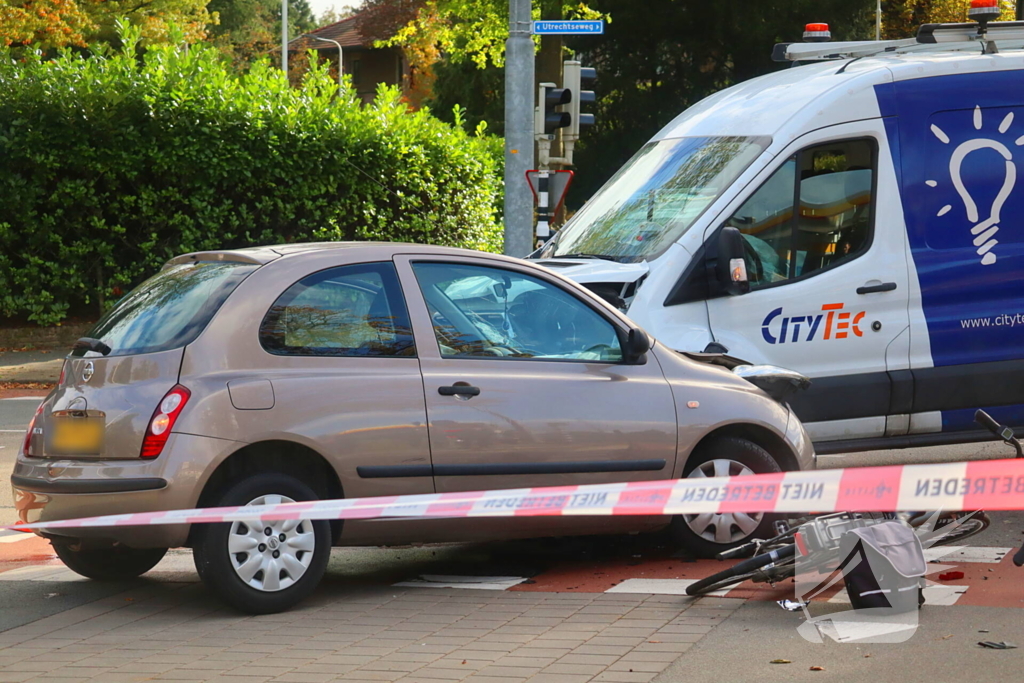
pixel 876 192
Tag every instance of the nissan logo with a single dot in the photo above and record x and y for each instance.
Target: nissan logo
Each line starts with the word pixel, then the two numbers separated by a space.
pixel 88 371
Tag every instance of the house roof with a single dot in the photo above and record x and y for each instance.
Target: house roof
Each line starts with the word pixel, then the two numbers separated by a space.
pixel 346 32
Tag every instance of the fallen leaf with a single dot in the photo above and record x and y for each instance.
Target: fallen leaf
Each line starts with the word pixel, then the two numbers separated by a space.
pixel 983 630
pixel 463 661
pixel 946 637
pixel 780 661
pixel 817 668
pixel 653 641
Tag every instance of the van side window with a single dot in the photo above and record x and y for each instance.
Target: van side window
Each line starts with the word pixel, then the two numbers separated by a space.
pixel 831 187
pixel 355 310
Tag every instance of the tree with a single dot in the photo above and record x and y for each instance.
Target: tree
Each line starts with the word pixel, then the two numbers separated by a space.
pixel 900 18
pixel 460 29
pixel 249 29
pixel 62 23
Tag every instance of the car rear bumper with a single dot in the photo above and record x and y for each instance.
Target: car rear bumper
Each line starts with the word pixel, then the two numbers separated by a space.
pixel 87 485
pixel 52 489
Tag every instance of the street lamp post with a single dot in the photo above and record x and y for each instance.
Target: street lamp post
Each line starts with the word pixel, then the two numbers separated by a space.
pixel 341 54
pixel 284 38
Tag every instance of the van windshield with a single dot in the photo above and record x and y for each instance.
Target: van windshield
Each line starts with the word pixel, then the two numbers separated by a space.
pixel 170 309
pixel 655 198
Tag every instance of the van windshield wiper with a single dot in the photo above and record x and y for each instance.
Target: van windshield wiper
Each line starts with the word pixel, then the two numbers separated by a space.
pixel 593 256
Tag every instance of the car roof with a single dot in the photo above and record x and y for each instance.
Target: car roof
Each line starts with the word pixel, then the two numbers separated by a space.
pixel 263 255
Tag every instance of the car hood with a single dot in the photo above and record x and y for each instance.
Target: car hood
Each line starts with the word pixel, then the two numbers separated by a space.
pixel 584 271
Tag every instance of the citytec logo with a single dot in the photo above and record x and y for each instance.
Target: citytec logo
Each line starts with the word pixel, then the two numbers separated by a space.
pixel 832 323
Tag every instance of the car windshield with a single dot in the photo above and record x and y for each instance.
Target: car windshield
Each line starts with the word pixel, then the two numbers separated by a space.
pixel 655 198
pixel 170 309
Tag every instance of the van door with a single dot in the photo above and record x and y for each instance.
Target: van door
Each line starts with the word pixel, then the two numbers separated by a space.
pixel 826 258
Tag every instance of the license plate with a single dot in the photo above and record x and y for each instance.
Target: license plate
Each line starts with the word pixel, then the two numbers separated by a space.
pixel 77 434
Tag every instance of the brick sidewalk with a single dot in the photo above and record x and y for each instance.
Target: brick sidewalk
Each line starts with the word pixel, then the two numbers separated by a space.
pixel 175 631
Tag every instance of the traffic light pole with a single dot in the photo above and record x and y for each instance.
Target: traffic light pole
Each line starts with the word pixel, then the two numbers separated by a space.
pixel 519 94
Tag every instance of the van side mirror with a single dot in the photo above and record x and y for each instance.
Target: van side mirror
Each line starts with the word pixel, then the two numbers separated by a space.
pixel 731 268
pixel 636 347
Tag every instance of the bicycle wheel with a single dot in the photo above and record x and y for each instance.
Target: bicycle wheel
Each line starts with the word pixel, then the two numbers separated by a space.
pixel 953 527
pixel 741 571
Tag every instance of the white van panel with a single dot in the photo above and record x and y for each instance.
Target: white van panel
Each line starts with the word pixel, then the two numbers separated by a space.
pixel 841 430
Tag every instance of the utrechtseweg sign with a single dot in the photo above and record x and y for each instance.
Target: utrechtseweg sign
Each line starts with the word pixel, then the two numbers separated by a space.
pixel 573 27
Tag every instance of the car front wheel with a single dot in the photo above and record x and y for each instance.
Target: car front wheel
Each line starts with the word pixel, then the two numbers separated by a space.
pixel 709 533
pixel 115 563
pixel 265 567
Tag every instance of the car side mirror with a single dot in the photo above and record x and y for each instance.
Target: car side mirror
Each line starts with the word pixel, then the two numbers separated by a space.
pixel 731 268
pixel 636 347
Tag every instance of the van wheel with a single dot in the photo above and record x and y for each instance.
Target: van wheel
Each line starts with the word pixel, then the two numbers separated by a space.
pixel 115 563
pixel 267 567
pixel 708 534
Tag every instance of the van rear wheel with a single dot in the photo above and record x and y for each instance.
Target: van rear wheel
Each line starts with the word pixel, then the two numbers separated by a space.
pixel 265 567
pixel 708 534
pixel 115 563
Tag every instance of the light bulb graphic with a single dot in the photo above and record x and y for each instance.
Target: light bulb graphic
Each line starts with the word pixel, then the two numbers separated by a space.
pixel 984 231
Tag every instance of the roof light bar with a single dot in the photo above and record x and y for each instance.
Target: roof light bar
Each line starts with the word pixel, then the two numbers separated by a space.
pixel 929 37
pixel 817 33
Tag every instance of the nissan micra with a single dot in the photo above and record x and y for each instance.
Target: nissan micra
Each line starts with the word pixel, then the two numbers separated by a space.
pixel 315 371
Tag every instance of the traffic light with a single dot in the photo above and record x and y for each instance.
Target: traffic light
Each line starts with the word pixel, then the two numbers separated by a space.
pixel 548 119
pixel 576 78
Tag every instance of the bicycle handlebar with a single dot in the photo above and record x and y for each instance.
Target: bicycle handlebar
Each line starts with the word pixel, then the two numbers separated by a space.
pixel 986 421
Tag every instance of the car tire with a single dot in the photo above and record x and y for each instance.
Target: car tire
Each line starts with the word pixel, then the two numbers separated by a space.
pixel 708 534
pixel 115 563
pixel 255 579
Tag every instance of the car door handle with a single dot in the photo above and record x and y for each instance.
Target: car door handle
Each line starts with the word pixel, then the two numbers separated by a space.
pixel 459 390
pixel 871 289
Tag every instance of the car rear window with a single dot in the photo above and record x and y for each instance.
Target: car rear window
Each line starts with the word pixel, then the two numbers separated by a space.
pixel 170 309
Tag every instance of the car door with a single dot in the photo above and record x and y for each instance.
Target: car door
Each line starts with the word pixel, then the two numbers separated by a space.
pixel 525 383
pixel 826 258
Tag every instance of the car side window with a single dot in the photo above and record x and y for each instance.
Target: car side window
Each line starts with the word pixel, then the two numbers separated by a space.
pixel 831 188
pixel 482 312
pixel 355 310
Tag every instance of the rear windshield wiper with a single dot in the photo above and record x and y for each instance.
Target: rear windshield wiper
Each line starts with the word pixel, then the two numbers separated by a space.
pixel 593 256
pixel 90 344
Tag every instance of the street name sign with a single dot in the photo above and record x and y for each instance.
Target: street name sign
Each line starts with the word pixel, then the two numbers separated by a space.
pixel 569 27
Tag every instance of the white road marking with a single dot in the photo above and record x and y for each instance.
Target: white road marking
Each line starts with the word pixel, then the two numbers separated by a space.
pixel 941 594
pixel 16 536
pixel 960 553
pixel 487 583
pixel 661 587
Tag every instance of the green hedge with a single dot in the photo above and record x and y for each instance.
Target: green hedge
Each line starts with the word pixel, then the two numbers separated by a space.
pixel 110 165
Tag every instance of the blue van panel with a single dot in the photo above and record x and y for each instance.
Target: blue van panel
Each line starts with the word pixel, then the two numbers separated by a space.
pixel 963 420
pixel 967 238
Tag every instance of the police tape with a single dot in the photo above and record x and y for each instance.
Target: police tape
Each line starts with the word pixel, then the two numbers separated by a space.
pixel 987 484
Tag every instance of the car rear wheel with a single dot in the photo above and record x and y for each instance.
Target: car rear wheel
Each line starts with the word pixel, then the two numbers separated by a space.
pixel 115 563
pixel 267 567
pixel 708 534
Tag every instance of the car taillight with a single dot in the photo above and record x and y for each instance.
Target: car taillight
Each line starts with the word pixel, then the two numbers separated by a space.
pixel 28 434
pixel 159 428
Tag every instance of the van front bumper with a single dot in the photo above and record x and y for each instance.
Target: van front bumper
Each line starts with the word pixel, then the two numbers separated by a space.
pixel 47 489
